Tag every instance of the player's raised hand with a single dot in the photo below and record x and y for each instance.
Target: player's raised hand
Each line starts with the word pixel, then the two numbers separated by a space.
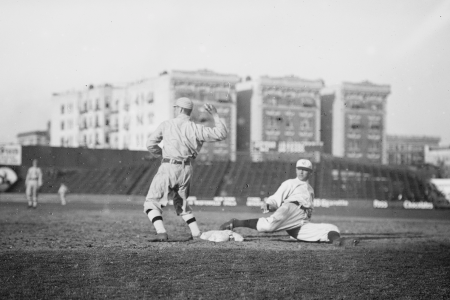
pixel 210 108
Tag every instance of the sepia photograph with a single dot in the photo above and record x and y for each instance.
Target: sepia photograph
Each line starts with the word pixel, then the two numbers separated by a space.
pixel 225 149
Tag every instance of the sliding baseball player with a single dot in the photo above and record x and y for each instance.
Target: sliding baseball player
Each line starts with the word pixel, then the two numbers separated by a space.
pixel 293 204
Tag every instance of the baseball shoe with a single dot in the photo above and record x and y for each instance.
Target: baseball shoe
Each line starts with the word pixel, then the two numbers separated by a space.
pixel 228 225
pixel 343 242
pixel 196 237
pixel 160 237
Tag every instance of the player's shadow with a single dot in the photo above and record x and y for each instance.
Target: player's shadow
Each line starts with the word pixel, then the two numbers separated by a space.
pixel 358 236
pixel 381 236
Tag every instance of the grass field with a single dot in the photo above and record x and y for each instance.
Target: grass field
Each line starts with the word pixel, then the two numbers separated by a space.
pixel 93 251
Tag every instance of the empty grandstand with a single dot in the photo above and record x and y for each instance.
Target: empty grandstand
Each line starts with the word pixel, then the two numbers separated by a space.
pixel 130 173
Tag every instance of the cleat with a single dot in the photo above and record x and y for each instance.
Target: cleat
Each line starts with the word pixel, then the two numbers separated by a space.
pixel 160 237
pixel 228 225
pixel 195 237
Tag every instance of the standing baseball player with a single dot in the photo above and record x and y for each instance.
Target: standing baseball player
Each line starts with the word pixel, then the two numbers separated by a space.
pixel 33 182
pixel 183 140
pixel 62 191
pixel 293 204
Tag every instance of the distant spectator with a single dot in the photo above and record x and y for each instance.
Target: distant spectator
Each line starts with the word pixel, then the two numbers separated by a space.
pixel 63 189
pixel 33 182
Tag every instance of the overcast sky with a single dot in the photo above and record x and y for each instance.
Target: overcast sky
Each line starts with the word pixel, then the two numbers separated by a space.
pixel 54 46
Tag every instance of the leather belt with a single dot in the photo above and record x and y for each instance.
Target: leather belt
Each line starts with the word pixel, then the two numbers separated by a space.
pixel 177 162
pixel 306 210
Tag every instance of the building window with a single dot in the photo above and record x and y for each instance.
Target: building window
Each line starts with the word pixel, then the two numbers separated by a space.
pixel 62 125
pixel 273 119
pixel 115 123
pixel 140 119
pixel 289 123
pixel 62 109
pixel 354 122
pixel 150 118
pixel 305 125
pixel 391 158
pixel 355 104
pixel 106 102
pixel 374 146
pixel 273 122
pixel 354 145
pixel 272 100
pixel 308 102
pixel 222 96
pixel 150 98
pixel 273 135
pixel 376 106
pixel 375 123
pixel 184 93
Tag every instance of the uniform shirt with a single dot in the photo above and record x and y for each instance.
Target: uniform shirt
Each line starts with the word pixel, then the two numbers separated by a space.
pixel 63 189
pixel 183 139
pixel 294 190
pixel 34 173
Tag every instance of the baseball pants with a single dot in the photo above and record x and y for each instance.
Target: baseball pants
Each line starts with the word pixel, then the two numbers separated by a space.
pixel 32 192
pixel 290 216
pixel 62 197
pixel 171 182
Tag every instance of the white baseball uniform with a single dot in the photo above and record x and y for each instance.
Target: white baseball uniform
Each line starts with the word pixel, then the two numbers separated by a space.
pixel 183 140
pixel 33 182
pixel 293 203
pixel 62 193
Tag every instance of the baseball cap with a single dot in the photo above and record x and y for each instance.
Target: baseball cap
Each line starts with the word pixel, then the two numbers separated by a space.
pixel 184 103
pixel 304 164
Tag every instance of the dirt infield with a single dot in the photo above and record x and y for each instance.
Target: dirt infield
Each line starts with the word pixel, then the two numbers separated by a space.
pixel 91 251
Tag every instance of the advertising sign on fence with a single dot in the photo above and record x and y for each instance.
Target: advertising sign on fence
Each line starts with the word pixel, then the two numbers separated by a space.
pixel 11 155
pixel 442 185
pixel 287 146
